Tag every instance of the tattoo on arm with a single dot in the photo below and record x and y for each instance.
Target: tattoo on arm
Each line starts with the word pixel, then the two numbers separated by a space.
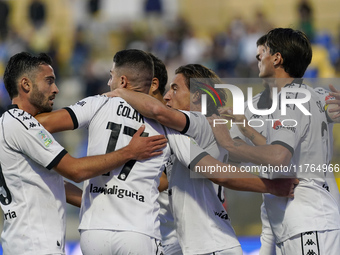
pixel 252 137
pixel 237 144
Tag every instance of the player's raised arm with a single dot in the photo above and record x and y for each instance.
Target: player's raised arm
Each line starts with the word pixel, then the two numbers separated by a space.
pixel 190 154
pixel 255 137
pixel 274 155
pixel 243 181
pixel 73 194
pixel 151 108
pixel 56 121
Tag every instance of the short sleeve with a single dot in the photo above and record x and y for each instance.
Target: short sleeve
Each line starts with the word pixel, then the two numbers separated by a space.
pixel 84 110
pixel 185 148
pixel 26 135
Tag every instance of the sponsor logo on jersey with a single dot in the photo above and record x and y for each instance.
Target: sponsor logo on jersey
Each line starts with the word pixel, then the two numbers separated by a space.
pixel 278 125
pixel 329 97
pixel 10 215
pixel 320 106
pixel 326 187
pixel 116 191
pixel 255 116
pixel 223 215
pixel 44 138
pixel 81 103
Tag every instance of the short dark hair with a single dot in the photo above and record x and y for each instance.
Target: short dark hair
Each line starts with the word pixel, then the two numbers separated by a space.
pixel 294 47
pixel 261 41
pixel 20 64
pixel 139 61
pixel 196 71
pixel 160 72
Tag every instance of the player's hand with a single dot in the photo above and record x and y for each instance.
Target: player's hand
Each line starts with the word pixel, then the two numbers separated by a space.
pixel 333 109
pixel 146 147
pixel 283 187
pixel 221 131
pixel 227 113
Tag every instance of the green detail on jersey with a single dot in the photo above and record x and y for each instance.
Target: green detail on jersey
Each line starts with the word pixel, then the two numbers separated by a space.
pixel 43 136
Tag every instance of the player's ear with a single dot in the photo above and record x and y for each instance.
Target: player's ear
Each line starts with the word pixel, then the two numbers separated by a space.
pixel 25 84
pixel 278 60
pixel 154 86
pixel 196 97
pixel 123 81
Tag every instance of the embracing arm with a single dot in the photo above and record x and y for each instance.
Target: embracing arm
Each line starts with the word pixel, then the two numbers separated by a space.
pixel 255 137
pixel 80 169
pixel 163 183
pixel 56 121
pixel 269 154
pixel 73 194
pixel 151 108
pixel 243 181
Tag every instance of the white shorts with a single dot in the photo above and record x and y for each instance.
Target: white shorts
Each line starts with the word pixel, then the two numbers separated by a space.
pixel 107 242
pixel 268 243
pixel 237 250
pixel 311 243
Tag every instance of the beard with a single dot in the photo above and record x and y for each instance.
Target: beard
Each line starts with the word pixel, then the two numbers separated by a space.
pixel 40 101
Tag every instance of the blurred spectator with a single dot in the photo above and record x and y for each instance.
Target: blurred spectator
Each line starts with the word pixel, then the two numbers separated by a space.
pixel 81 52
pixel 40 36
pixel 193 48
pixel 93 7
pixel 37 13
pixel 224 54
pixel 153 11
pixel 305 22
pixel 4 13
pixel 247 64
pixel 4 98
pixel 153 6
pixel 261 23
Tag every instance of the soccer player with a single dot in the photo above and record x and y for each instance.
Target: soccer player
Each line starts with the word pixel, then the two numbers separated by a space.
pixel 308 224
pixel 108 200
pixel 167 223
pixel 191 199
pixel 32 193
pixel 256 136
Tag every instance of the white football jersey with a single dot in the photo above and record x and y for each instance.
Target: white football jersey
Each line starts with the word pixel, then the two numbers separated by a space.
pixel 124 199
pixel 313 207
pixel 263 101
pixel 32 195
pixel 202 224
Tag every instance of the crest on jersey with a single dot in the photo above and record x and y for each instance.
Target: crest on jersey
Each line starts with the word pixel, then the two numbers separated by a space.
pixel 277 124
pixel 44 138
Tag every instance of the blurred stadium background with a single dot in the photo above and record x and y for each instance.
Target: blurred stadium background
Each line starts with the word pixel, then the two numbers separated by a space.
pixel 83 35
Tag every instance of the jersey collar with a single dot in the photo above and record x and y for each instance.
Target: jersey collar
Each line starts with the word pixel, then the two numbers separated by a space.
pixel 265 102
pixel 12 106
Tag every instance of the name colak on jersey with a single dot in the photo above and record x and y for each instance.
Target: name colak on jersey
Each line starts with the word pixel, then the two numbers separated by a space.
pixel 115 190
pixel 128 112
